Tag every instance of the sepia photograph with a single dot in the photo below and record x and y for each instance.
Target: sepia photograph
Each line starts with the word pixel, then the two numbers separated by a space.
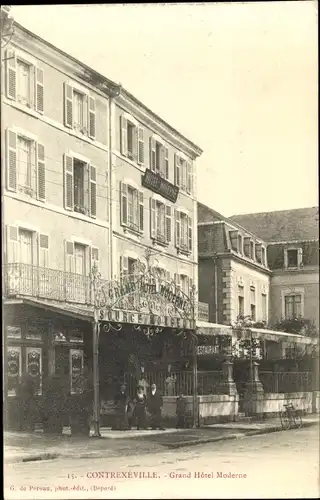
pixel 160 250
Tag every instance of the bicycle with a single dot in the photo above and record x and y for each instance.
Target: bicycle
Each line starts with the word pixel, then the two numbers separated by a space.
pixel 290 417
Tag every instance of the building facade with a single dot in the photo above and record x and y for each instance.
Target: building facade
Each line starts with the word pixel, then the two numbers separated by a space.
pixel 292 238
pixel 234 277
pixel 92 180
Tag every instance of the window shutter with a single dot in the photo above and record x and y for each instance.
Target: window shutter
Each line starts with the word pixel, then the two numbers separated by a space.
pixel 140 146
pixel 11 160
pixel 141 214
pixel 68 182
pixel 299 257
pixel 68 105
pixel 168 224
pixel 168 276
pixel 190 234
pixel 177 170
pixel 166 162
pixel 39 90
pixel 69 256
pixel 41 173
pixel 12 244
pixel 152 218
pixel 189 177
pixel 162 161
pixel 43 243
pixel 177 228
pixel 177 280
pixel 152 154
pixel 11 74
pixel 94 257
pixel 92 117
pixel 123 266
pixel 190 287
pixel 135 144
pixel 93 191
pixel 123 203
pixel 124 135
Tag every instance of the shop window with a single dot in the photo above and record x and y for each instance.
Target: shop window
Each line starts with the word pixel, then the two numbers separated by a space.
pixel 14 369
pixel 34 366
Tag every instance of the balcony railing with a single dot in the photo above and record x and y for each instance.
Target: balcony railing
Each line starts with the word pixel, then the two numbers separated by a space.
pixel 203 311
pixel 44 283
pixel 275 382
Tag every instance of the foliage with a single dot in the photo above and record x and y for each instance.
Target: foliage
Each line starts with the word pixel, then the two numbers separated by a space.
pixel 300 326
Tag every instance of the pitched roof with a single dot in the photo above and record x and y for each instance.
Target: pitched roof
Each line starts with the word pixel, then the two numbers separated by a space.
pixel 299 224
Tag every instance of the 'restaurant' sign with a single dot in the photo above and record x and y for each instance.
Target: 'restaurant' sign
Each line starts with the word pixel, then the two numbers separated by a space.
pixel 160 185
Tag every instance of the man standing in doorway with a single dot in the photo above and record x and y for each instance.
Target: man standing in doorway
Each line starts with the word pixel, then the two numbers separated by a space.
pixel 155 404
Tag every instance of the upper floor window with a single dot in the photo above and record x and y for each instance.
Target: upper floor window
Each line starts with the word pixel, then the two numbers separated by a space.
pixel 160 221
pixel 79 111
pixel 264 311
pixel 159 158
pixel 132 139
pixel 183 232
pixel 131 207
pixel 293 257
pixel 183 174
pixel 25 165
pixel 80 186
pixel 292 306
pixel 24 81
pixel 184 283
pixel 253 303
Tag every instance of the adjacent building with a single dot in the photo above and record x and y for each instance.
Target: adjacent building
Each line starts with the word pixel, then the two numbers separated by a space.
pixel 292 238
pixel 234 277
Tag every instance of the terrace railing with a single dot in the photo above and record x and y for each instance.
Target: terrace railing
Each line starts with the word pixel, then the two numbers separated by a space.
pixel 46 283
pixel 275 382
pixel 175 383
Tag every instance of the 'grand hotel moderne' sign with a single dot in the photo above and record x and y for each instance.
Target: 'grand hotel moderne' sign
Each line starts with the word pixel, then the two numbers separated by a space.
pixel 159 185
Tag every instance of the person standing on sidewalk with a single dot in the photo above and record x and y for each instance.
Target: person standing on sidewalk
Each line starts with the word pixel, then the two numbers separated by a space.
pixel 155 403
pixel 121 402
pixel 140 402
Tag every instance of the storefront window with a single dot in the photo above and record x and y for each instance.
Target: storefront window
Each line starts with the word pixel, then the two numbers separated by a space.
pixel 14 370
pixel 34 366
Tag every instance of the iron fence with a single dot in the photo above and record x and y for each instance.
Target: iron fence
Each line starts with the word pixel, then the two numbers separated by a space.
pixel 275 382
pixel 176 383
pixel 46 283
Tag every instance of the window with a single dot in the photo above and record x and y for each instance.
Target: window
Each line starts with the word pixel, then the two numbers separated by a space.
pixel 34 366
pixel 240 301
pixel 263 256
pixel 234 240
pixel 25 165
pixel 292 258
pixel 24 81
pixel 183 174
pixel 131 207
pixel 79 111
pixel 252 255
pixel 26 247
pixel 80 186
pixel 253 303
pixel 183 232
pixel 160 221
pixel 78 108
pixel 159 162
pixel 264 307
pixel 292 306
pixel 184 283
pixel 131 140
pixel 258 252
pixel 240 243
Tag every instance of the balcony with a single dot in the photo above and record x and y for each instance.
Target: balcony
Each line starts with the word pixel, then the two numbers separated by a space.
pixel 203 311
pixel 43 283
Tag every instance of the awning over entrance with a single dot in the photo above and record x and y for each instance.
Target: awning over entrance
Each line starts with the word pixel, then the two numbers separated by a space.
pixel 213 329
pixel 77 311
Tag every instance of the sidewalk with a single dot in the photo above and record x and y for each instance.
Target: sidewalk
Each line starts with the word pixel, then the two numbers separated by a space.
pixel 23 447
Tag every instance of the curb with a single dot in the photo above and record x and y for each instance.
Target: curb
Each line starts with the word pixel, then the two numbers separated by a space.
pixel 193 442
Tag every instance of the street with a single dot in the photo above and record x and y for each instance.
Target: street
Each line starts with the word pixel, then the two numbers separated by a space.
pixel 280 464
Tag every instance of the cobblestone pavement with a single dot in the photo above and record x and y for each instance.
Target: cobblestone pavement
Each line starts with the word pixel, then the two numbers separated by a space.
pixel 280 464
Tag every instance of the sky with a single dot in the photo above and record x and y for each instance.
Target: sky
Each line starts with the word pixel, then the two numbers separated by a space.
pixel 238 79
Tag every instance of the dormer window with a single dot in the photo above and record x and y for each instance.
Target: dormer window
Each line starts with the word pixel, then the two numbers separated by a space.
pixel 234 240
pixel 247 247
pixel 259 253
pixel 293 257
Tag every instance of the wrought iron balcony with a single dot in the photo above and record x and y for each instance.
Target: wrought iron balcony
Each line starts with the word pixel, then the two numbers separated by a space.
pixel 203 311
pixel 33 281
